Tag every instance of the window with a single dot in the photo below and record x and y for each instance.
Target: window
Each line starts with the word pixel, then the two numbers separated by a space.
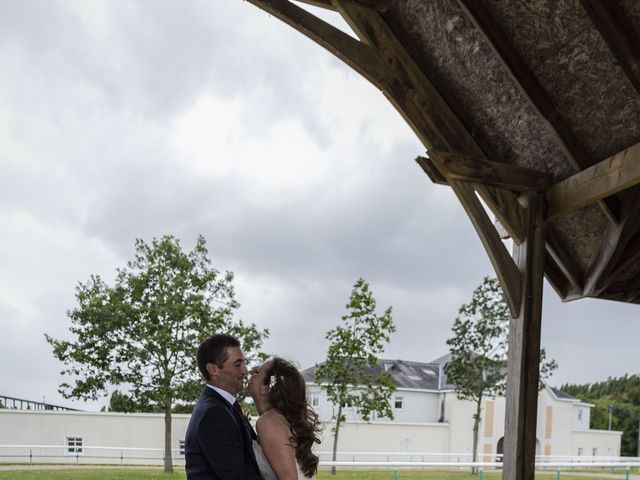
pixel 74 445
pixel 580 451
pixel 181 448
pixel 314 399
pixel 580 414
pixel 397 403
pixel 595 452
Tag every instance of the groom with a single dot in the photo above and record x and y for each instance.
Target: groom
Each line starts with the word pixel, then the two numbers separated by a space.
pixel 218 443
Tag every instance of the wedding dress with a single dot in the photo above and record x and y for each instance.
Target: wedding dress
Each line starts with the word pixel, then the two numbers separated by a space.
pixel 265 469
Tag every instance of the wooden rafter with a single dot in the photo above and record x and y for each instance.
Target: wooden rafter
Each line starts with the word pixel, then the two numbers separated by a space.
pixel 623 42
pixel 531 88
pixel 379 5
pixel 633 289
pixel 565 264
pixel 615 174
pixel 431 170
pixel 437 125
pixel 554 277
pixel 600 273
pixel 488 173
pixel 629 257
pixel 501 260
pixel 433 120
pixel 362 58
pixel 319 3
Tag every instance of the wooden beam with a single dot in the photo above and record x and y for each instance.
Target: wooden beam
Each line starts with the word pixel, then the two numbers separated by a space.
pixel 326 4
pixel 504 205
pixel 619 35
pixel 563 262
pixel 619 248
pixel 431 117
pixel 523 362
pixel 378 5
pixel 362 58
pixel 418 101
pixel 432 172
pixel 488 173
pixel 629 257
pixel 531 88
pixel 435 124
pixel 603 179
pixel 554 277
pixel 502 262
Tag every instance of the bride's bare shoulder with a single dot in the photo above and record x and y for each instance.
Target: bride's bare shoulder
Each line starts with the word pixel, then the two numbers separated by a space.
pixel 270 420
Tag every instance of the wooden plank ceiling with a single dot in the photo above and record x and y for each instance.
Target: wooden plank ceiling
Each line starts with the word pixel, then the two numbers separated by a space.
pixel 515 97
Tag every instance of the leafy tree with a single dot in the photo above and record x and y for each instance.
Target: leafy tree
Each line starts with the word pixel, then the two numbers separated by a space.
pixel 478 350
pixel 121 402
pixel 349 373
pixel 623 394
pixel 142 332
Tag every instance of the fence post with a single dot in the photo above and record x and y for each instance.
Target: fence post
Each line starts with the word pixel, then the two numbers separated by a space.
pixel 121 458
pixel 558 474
pixel 395 473
pixel 30 456
pixel 627 473
pixel 481 473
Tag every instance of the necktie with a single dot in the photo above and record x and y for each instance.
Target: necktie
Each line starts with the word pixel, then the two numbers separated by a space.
pixel 243 419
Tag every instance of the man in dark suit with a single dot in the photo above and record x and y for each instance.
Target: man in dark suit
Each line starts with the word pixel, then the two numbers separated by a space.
pixel 218 443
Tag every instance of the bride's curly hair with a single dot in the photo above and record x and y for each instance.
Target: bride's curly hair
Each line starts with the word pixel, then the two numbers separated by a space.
pixel 288 396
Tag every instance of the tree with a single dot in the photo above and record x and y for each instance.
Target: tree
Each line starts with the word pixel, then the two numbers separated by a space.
pixel 121 402
pixel 622 394
pixel 479 350
pixel 142 332
pixel 349 373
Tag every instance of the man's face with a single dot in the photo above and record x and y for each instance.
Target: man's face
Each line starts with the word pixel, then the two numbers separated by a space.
pixel 231 376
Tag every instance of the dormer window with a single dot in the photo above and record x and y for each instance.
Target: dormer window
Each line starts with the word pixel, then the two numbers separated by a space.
pixel 388 366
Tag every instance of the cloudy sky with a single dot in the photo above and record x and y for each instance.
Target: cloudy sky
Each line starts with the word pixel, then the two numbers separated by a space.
pixel 125 120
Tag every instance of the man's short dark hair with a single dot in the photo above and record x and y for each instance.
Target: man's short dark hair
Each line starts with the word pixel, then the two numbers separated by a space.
pixel 214 350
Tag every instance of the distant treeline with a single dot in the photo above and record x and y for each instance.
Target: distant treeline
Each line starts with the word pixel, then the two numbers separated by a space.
pixel 623 394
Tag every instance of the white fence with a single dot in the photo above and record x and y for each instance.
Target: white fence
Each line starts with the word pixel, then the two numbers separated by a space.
pixel 32 454
pixel 86 455
pixel 459 458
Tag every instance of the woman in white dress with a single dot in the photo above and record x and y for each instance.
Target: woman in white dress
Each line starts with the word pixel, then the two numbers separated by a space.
pixel 287 426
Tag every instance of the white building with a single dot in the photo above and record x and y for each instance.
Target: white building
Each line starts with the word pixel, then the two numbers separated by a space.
pixel 428 419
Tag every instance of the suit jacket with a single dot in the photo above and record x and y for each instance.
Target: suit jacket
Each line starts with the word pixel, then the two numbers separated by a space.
pixel 218 442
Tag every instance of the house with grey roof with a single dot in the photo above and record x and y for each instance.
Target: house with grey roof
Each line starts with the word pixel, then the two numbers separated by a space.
pixel 428 417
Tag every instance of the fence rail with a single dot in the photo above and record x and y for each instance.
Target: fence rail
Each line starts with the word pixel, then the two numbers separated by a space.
pixel 392 460
pixel 467 457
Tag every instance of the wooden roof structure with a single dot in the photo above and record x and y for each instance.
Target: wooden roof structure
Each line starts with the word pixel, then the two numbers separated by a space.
pixel 534 107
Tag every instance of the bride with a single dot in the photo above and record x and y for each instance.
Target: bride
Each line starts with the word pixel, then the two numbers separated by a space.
pixel 287 426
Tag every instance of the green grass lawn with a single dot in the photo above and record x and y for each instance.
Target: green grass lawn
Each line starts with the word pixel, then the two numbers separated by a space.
pixel 150 473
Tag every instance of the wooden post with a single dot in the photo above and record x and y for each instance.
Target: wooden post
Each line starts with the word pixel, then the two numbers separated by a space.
pixel 523 364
